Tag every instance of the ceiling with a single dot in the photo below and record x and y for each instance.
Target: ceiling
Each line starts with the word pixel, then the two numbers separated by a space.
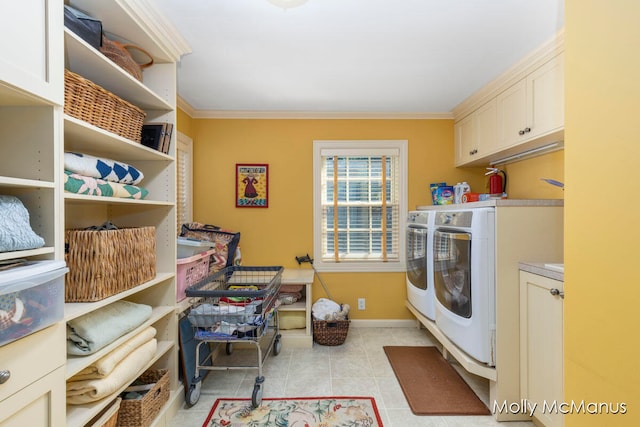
pixel 350 56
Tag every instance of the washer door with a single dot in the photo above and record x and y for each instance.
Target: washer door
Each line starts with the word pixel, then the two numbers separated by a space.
pixel 417 257
pixel 452 271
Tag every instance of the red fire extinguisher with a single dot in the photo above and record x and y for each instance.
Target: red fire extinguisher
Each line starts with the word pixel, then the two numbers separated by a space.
pixel 497 183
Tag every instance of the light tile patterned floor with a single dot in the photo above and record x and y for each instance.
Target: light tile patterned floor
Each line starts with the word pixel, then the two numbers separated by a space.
pixel 358 367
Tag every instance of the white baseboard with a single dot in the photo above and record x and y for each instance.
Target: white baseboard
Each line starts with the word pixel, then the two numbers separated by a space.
pixel 384 323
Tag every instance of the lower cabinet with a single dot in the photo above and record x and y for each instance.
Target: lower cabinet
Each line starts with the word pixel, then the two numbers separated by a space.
pixel 541 346
pixel 33 392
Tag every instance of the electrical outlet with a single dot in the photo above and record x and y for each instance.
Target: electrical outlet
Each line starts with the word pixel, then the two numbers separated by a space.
pixel 361 304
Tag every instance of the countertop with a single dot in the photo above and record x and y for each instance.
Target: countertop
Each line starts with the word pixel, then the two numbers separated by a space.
pixel 495 203
pixel 541 269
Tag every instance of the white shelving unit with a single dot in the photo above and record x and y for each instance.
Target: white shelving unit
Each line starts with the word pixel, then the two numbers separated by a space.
pixel 156 95
pixel 31 96
pixel 299 337
pixel 36 133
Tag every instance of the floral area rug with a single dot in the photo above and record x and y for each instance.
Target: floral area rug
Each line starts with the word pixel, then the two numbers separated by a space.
pixel 295 412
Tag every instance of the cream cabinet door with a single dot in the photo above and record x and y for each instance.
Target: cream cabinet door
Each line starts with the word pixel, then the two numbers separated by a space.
pixel 465 136
pixel 32 59
pixel 512 115
pixel 42 404
pixel 541 346
pixel 475 135
pixel 545 95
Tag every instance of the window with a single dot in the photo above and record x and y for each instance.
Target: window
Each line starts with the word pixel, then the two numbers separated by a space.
pixel 184 164
pixel 359 205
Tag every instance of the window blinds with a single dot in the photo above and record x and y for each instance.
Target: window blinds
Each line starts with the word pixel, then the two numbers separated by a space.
pixel 360 205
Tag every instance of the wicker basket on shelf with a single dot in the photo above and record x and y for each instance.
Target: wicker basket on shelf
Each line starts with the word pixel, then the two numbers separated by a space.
pixel 89 102
pixel 141 412
pixel 108 417
pixel 106 262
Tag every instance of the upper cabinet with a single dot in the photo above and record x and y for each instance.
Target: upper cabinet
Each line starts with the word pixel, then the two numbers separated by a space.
pixel 475 133
pixel 30 63
pixel 519 111
pixel 533 107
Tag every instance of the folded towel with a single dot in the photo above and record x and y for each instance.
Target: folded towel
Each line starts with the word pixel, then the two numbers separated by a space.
pixel 103 367
pixel 125 372
pixel 89 333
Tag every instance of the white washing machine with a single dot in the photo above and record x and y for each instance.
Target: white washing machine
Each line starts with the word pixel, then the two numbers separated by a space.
pixel 464 279
pixel 420 286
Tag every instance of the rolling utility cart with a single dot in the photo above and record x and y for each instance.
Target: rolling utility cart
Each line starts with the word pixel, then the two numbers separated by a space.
pixel 236 304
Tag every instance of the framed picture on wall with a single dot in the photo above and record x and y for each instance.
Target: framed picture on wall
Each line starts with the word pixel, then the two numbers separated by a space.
pixel 252 185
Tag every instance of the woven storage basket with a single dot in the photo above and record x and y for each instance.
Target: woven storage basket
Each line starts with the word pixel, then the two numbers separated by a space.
pixel 108 417
pixel 330 332
pixel 106 262
pixel 88 102
pixel 141 412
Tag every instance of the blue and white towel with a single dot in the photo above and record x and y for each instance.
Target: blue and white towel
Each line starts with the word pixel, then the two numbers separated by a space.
pixel 102 168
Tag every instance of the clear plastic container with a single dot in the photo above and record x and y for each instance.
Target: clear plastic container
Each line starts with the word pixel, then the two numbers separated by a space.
pixel 190 247
pixel 31 298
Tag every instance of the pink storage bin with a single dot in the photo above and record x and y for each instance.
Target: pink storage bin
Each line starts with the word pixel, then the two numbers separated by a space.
pixel 191 270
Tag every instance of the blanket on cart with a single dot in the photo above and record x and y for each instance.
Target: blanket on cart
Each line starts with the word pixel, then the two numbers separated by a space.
pixel 92 331
pixel 87 391
pixel 104 366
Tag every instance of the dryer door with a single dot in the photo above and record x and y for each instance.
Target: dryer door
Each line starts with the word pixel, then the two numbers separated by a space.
pixel 452 271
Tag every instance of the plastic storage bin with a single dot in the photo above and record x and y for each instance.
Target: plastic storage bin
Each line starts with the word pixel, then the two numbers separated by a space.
pixel 190 247
pixel 191 270
pixel 31 298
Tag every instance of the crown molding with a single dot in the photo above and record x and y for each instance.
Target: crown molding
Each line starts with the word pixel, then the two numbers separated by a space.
pixel 222 114
pixel 515 73
pixel 158 27
pixel 186 107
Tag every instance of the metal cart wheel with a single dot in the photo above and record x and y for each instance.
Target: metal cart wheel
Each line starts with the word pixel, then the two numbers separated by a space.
pixel 229 348
pixel 277 345
pixel 256 396
pixel 193 395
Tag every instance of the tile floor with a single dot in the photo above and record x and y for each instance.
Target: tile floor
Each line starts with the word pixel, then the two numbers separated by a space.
pixel 359 367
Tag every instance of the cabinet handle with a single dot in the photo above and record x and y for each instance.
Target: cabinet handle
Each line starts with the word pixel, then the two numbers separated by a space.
pixel 556 292
pixel 472 152
pixel 527 130
pixel 4 376
pixel 520 132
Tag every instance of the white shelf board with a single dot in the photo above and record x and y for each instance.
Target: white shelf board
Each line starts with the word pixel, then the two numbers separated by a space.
pixel 8 181
pixel 77 309
pixel 83 137
pixel 81 58
pixel 81 198
pixel 28 253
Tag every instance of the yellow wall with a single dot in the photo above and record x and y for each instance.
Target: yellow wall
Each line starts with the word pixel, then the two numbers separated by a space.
pixel 523 177
pixel 602 286
pixel 276 235
pixel 184 123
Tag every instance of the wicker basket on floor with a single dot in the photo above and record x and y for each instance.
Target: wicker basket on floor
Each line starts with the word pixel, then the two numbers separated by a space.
pixel 106 262
pixel 142 412
pixel 89 102
pixel 330 332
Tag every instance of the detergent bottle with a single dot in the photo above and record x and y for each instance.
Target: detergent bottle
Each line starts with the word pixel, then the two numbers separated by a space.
pixel 460 189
